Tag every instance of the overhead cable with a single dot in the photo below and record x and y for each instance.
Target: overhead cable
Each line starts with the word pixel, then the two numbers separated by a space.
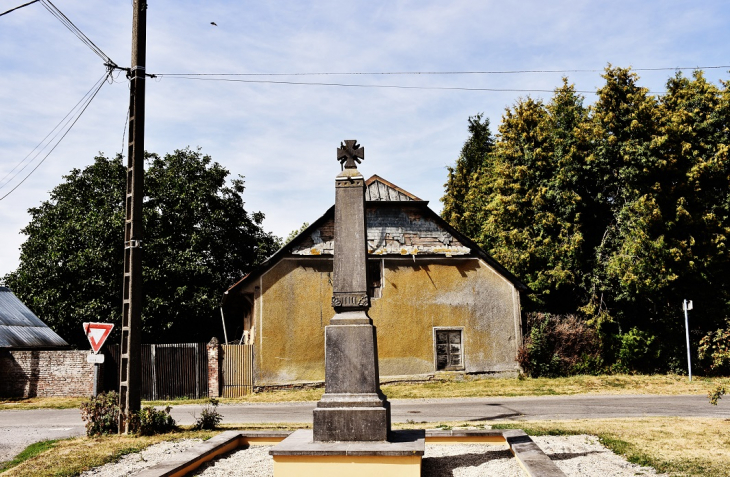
pixel 415 73
pixel 390 86
pixel 75 30
pixel 18 8
pixel 62 129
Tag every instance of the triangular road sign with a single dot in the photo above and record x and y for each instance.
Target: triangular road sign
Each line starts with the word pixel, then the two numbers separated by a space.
pixel 97 334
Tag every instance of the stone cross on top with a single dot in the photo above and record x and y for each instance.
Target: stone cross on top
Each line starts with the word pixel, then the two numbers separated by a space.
pixel 349 152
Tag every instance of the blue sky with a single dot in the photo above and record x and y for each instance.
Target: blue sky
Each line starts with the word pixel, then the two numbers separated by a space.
pixel 283 138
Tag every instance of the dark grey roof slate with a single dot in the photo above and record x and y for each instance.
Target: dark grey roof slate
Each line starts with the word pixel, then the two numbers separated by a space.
pixel 20 328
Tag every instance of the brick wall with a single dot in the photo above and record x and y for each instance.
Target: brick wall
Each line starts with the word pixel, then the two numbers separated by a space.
pixel 45 373
pixel 213 368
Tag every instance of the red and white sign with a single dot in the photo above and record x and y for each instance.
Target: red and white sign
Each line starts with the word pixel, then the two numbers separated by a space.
pixel 97 334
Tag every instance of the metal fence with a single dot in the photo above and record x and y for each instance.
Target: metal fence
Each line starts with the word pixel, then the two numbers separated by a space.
pixel 168 370
pixel 237 370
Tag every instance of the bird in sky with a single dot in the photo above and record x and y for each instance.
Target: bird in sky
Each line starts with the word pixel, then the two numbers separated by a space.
pixel 214 23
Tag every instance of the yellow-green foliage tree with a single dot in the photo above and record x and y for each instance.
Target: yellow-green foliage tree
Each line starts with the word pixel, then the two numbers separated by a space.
pixel 616 211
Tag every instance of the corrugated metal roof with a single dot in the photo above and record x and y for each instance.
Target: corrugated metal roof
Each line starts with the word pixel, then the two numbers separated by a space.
pixel 20 328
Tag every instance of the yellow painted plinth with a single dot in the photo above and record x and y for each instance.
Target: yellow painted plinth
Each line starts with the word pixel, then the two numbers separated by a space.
pixel 260 441
pixel 466 439
pixel 347 465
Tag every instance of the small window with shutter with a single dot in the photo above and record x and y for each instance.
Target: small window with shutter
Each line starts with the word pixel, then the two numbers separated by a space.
pixel 449 350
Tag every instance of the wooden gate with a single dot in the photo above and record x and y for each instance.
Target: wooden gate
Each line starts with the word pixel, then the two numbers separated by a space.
pixel 237 370
pixel 168 370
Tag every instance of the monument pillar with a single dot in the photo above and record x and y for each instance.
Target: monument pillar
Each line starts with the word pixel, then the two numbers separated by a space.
pixel 352 408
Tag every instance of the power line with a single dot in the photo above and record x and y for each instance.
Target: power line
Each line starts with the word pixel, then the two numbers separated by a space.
pixel 18 8
pixel 415 73
pixel 76 31
pixel 386 86
pixel 86 100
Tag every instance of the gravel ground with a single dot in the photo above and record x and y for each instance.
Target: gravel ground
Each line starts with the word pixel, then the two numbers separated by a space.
pixel 131 464
pixel 575 455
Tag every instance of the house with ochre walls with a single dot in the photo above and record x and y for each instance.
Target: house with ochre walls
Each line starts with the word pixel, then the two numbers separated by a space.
pixel 440 304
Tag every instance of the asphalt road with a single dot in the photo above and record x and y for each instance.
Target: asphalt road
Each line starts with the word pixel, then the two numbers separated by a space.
pixel 19 429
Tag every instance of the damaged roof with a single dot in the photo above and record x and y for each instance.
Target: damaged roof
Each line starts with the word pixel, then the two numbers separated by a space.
pixel 20 328
pixel 391 230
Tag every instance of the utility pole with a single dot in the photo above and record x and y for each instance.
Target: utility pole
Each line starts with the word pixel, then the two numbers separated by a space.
pixel 130 366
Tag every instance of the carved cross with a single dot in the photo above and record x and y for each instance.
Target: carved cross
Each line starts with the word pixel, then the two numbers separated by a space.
pixel 349 152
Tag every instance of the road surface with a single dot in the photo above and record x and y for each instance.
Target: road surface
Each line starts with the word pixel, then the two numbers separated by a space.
pixel 19 429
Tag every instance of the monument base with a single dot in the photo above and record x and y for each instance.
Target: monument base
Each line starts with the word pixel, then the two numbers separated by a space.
pixel 352 407
pixel 346 417
pixel 299 456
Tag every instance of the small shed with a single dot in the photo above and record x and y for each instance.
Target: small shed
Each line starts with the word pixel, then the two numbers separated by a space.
pixel 34 360
pixel 21 329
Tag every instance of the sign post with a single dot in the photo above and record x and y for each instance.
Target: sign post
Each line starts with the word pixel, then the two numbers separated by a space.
pixel 97 333
pixel 687 305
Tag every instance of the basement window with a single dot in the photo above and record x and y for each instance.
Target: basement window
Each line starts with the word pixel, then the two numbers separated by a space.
pixel 375 278
pixel 449 350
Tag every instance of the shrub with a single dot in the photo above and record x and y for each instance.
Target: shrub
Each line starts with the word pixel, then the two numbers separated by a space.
pixel 715 349
pixel 209 416
pixel 101 414
pixel 638 351
pixel 150 421
pixel 559 345
pixel 716 394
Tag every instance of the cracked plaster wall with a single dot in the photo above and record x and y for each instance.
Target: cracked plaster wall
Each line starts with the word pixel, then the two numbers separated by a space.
pixel 417 295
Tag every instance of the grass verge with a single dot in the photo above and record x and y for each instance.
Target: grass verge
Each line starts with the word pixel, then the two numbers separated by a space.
pixel 455 386
pixel 28 453
pixel 70 457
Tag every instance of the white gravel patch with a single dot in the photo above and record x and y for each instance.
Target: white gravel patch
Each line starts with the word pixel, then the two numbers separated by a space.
pixel 252 462
pixel 579 455
pixel 466 460
pixel 131 464
pixel 583 455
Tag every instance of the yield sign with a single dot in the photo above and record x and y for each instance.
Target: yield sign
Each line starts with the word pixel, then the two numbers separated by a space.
pixel 97 334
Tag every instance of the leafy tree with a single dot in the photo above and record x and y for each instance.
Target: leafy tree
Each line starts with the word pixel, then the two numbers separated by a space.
pixel 615 211
pixel 473 154
pixel 525 201
pixel 199 239
pixel 292 235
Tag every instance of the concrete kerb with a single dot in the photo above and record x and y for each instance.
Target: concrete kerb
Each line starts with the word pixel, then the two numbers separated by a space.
pixel 226 441
pixel 528 454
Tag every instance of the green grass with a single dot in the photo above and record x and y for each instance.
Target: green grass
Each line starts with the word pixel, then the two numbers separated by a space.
pixel 70 457
pixel 28 453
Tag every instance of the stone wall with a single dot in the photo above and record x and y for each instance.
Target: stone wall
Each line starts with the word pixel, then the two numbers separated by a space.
pixel 49 373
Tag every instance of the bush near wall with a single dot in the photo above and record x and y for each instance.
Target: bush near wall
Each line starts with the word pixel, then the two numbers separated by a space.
pixel 559 345
pixel 563 345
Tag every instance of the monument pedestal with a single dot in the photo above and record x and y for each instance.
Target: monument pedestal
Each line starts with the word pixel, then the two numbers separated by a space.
pixel 300 456
pixel 352 407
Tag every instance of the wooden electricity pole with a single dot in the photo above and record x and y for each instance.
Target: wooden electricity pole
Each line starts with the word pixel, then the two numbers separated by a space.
pixel 130 365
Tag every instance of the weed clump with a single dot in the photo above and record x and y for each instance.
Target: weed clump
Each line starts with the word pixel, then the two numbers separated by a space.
pixel 149 421
pixel 209 417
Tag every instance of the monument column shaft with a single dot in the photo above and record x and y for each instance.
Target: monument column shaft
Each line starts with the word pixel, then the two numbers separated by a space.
pixel 352 407
pixel 350 261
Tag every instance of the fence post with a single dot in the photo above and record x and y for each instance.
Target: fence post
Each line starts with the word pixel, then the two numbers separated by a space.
pixel 213 368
